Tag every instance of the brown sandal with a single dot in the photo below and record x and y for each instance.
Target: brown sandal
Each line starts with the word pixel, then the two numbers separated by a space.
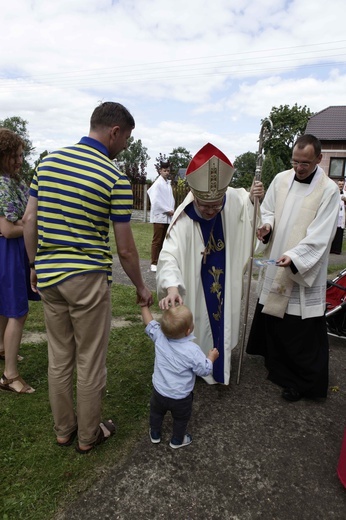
pixel 5 385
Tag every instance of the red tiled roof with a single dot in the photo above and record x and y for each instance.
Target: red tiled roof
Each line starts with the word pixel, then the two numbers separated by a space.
pixel 329 124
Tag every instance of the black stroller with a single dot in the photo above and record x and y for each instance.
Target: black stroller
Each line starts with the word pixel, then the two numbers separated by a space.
pixel 336 305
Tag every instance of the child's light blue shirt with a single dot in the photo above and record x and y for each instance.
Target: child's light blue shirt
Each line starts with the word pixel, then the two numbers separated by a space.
pixel 177 362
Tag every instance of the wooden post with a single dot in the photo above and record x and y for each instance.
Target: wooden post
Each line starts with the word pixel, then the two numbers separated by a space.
pixel 145 203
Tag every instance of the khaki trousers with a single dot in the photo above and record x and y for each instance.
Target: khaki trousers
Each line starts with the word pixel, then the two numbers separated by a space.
pixel 77 315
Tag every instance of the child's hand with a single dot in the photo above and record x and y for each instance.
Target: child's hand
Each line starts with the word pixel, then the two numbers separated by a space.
pixel 213 354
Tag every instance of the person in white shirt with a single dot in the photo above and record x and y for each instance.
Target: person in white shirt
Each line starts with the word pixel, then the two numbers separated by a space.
pixel 336 247
pixel 161 210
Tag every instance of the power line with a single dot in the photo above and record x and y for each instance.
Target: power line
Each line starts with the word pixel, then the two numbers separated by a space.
pixel 242 64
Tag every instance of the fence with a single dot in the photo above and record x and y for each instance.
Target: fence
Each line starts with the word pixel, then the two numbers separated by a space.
pixel 142 202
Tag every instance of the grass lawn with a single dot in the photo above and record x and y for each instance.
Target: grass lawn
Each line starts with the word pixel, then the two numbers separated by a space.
pixel 143 234
pixel 37 476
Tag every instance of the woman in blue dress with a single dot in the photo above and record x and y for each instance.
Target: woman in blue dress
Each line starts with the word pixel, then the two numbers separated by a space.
pixel 14 266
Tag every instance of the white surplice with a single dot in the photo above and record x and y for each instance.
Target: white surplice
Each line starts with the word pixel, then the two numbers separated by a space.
pixel 180 266
pixel 310 255
pixel 161 201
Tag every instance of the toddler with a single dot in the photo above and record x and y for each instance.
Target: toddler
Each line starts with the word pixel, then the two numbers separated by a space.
pixel 177 362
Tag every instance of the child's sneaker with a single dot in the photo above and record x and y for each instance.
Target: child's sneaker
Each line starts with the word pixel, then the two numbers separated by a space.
pixel 155 437
pixel 177 444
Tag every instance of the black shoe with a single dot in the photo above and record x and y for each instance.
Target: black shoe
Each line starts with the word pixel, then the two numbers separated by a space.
pixel 291 394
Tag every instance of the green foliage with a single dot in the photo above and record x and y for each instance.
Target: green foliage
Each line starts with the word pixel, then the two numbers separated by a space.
pixel 245 166
pixel 271 166
pixel 19 126
pixel 133 161
pixel 178 158
pixel 39 159
pixel 288 124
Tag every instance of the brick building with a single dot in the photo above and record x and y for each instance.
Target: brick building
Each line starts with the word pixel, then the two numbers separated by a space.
pixel 329 126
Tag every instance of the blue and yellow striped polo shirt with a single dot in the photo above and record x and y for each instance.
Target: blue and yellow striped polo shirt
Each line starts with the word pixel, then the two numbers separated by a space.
pixel 78 190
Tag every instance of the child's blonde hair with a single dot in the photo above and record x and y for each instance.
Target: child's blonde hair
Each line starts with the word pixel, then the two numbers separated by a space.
pixel 176 321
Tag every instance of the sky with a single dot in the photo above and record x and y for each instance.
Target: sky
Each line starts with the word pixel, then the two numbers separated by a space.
pixel 190 72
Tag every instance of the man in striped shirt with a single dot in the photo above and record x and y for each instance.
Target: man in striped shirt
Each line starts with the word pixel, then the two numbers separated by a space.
pixel 74 193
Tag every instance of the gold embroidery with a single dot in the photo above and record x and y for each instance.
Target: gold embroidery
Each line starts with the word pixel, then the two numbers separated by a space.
pixel 216 288
pixel 212 245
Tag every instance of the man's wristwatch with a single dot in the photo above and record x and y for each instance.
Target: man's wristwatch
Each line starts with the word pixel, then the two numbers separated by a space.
pixel 32 265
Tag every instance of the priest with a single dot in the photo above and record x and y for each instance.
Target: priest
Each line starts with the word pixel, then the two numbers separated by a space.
pixel 205 253
pixel 299 215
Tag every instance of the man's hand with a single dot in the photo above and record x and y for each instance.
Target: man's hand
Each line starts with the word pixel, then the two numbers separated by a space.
pixel 144 297
pixel 172 299
pixel 33 280
pixel 263 231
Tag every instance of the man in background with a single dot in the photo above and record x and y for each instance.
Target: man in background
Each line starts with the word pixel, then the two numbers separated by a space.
pixel 336 247
pixel 161 211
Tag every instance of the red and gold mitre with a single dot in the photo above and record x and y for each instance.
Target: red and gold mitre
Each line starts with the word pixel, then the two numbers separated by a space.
pixel 209 173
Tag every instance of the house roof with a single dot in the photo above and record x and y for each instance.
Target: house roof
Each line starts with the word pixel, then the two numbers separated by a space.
pixel 329 124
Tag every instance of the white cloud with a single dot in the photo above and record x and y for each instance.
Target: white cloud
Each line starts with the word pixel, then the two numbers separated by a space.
pixel 190 72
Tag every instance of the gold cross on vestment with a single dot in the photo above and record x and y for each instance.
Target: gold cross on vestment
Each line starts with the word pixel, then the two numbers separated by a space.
pixel 205 253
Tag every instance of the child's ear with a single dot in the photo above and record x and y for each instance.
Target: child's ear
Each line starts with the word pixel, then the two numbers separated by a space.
pixel 188 332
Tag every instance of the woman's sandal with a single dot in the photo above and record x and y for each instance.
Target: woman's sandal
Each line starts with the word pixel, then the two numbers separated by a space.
pixel 101 438
pixel 5 384
pixel 69 441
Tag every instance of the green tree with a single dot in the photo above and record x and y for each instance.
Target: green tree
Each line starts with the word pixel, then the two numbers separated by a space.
pixel 39 159
pixel 270 169
pixel 245 166
pixel 19 126
pixel 133 161
pixel 288 124
pixel 178 158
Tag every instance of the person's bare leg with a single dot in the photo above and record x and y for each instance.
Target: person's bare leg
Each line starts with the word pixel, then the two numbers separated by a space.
pixel 12 338
pixel 3 323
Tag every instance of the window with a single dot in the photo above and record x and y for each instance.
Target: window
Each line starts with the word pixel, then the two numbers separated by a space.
pixel 337 168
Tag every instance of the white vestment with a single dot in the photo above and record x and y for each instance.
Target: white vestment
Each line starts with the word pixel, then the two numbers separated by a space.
pixel 309 255
pixel 180 266
pixel 161 201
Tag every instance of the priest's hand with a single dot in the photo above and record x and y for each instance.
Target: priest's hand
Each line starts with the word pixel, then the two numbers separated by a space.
pixel 172 299
pixel 257 190
pixel 283 261
pixel 263 231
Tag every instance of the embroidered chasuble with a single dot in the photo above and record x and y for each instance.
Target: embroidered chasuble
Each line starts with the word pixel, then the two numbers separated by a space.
pixel 213 280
